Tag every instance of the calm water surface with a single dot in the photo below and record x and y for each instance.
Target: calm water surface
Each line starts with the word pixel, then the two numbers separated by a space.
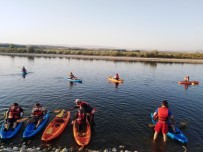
pixel 123 111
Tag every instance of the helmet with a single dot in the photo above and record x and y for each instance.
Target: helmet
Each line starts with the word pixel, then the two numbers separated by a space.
pixel 77 101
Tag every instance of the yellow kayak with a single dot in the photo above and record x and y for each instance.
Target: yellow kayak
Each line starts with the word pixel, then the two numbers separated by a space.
pixel 114 80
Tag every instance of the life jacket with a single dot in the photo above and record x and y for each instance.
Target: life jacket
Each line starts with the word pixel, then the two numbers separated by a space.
pixel 80 117
pixel 162 114
pixel 117 77
pixel 14 112
pixel 86 107
pixel 37 111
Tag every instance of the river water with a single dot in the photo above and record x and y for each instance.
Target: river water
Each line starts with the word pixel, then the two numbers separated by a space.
pixel 122 111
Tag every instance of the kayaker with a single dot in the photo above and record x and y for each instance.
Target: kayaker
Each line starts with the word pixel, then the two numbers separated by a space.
pixel 187 79
pixel 12 115
pixel 163 114
pixel 24 70
pixel 72 76
pixel 88 109
pixel 38 111
pixel 116 76
pixel 80 120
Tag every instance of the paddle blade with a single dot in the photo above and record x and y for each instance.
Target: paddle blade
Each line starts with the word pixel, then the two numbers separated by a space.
pixel 61 114
pixel 183 123
pixel 152 125
pixel 81 148
pixel 22 119
pixel 56 111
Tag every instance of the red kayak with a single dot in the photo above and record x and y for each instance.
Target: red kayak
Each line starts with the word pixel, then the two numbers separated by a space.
pixel 189 82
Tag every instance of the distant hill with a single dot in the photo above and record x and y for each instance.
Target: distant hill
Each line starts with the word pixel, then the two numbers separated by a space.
pixel 85 47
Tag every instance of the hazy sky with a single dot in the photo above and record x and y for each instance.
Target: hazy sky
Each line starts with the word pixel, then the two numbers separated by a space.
pixel 131 24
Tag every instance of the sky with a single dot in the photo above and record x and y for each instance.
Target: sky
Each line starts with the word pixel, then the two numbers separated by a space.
pixel 126 24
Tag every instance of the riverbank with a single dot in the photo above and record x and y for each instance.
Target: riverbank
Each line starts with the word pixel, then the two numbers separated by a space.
pixel 49 148
pixel 108 58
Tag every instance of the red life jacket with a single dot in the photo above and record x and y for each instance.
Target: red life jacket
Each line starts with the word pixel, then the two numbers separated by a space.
pixel 14 112
pixel 80 117
pixel 117 77
pixel 162 114
pixel 37 111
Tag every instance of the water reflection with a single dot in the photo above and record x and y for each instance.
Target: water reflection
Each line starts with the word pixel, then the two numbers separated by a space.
pixel 24 75
pixel 31 58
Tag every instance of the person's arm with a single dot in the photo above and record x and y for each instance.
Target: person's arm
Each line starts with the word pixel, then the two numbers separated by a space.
pixel 32 114
pixel 21 112
pixel 44 110
pixel 155 115
pixel 74 118
pixel 6 114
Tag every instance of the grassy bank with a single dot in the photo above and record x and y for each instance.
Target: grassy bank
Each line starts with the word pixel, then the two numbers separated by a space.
pixel 107 54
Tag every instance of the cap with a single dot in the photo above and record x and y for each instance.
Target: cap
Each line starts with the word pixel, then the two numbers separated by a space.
pixel 77 100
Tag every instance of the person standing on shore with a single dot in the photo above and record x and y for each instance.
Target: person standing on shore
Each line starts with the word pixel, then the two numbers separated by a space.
pixel 87 108
pixel 80 120
pixel 163 114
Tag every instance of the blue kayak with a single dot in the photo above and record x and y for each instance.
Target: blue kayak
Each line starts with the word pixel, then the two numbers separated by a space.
pixel 30 131
pixel 179 136
pixel 10 133
pixel 73 80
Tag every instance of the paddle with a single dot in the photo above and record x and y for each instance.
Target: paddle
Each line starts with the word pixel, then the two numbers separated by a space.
pixel 23 119
pixel 180 123
pixel 60 110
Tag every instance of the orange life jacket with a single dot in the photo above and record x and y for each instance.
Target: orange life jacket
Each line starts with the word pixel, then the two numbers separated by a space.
pixel 37 111
pixel 163 114
pixel 14 112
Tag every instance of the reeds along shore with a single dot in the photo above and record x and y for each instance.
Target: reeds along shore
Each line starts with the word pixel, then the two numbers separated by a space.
pixel 109 58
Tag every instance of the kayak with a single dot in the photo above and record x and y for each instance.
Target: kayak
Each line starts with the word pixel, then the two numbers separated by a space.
pixel 73 80
pixel 82 140
pixel 30 131
pixel 179 136
pixel 189 82
pixel 10 133
pixel 114 80
pixel 56 127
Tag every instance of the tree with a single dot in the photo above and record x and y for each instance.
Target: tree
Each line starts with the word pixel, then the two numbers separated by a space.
pixel 30 49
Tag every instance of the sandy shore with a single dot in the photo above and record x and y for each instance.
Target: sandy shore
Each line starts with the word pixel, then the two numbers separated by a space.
pixel 108 58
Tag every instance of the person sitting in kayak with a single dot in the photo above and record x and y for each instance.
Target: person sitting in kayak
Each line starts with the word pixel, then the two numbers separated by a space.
pixel 163 114
pixel 116 76
pixel 187 79
pixel 38 112
pixel 24 70
pixel 12 115
pixel 88 109
pixel 80 121
pixel 72 76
